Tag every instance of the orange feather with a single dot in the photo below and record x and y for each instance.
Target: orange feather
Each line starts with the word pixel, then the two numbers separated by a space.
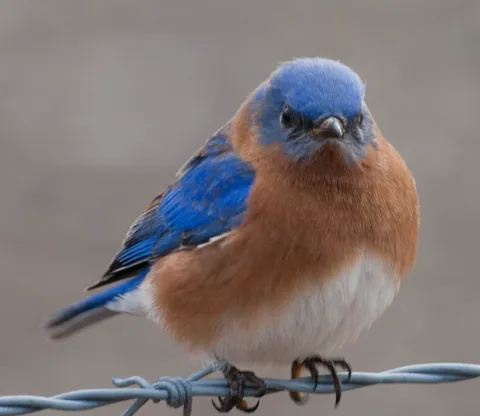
pixel 305 223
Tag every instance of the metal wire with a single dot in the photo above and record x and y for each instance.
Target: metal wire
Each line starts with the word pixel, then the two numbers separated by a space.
pixel 178 391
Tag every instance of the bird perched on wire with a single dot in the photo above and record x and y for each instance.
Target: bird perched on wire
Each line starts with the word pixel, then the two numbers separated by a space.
pixel 287 234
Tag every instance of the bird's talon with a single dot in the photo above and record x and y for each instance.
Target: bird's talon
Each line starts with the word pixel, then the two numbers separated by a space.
pixel 225 404
pixel 313 373
pixel 242 405
pixel 296 372
pixel 344 365
pixel 215 405
pixel 237 380
pixel 311 364
pixel 219 408
pixel 298 398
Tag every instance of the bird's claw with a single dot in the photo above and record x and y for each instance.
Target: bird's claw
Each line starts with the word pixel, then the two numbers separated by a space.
pixel 237 380
pixel 311 364
pixel 228 404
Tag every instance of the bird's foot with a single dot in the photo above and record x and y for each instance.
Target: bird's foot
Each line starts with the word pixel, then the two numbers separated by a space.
pixel 237 380
pixel 311 364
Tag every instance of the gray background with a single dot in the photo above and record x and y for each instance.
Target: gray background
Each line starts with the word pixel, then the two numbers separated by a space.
pixel 100 103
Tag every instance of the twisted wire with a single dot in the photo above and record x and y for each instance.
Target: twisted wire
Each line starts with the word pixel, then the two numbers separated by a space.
pixel 179 391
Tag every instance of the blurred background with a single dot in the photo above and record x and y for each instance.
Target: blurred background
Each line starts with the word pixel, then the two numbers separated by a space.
pixel 102 101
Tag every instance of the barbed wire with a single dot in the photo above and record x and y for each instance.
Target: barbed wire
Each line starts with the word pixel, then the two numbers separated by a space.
pixel 179 391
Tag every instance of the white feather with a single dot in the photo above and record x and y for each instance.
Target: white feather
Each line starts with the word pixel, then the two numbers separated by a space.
pixel 317 321
pixel 213 240
pixel 130 303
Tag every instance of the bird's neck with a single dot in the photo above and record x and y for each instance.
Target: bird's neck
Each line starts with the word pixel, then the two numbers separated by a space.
pixel 329 162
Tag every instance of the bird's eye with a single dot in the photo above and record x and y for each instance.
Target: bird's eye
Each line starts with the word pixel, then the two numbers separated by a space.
pixel 288 117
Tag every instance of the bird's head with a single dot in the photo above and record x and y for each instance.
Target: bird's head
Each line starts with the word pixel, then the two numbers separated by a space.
pixel 308 104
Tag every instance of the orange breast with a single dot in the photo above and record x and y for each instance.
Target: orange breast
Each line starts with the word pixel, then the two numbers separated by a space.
pixel 304 225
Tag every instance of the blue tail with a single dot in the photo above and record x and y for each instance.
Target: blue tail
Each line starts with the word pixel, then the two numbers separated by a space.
pixel 95 303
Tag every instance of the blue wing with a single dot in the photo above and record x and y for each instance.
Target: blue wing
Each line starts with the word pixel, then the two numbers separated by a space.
pixel 208 199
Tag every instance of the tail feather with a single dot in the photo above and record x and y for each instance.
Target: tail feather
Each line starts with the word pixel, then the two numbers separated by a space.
pixel 92 309
pixel 80 322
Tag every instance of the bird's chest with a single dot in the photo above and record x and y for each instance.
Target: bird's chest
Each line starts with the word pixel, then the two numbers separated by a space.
pixel 316 320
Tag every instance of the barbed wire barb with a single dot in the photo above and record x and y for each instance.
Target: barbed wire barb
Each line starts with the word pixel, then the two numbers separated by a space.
pixel 179 391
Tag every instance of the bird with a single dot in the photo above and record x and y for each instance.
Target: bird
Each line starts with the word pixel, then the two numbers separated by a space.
pixel 285 236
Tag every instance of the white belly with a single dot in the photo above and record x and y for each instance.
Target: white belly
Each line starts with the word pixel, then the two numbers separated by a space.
pixel 317 321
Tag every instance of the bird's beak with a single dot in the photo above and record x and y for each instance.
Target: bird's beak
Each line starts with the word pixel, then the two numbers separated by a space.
pixel 330 128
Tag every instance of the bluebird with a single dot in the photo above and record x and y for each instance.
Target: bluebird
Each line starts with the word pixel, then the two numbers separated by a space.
pixel 286 235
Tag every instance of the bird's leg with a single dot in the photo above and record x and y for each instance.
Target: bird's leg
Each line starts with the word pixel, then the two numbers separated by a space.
pixel 311 364
pixel 237 380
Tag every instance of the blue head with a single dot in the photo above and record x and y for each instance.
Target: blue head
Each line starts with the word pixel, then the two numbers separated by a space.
pixel 309 102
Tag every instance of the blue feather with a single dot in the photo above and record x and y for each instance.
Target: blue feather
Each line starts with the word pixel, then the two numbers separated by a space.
pixel 208 199
pixel 210 195
pixel 96 301
pixel 314 88
pixel 318 87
